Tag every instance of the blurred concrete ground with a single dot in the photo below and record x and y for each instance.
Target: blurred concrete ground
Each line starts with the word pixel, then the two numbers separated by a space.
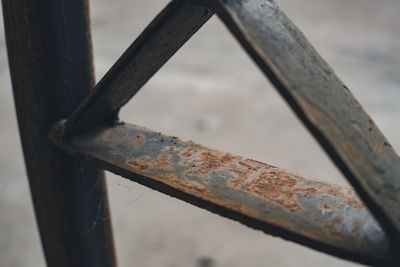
pixel 212 93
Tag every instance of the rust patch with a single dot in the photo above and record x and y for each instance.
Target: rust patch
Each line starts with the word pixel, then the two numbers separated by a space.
pixel 277 189
pixel 261 180
pixel 146 164
pixel 283 188
pixel 250 165
pixel 201 161
pixel 207 161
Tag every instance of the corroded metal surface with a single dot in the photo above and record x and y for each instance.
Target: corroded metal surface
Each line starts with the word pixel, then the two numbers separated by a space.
pixel 327 217
pixel 322 102
pixel 318 97
pixel 322 216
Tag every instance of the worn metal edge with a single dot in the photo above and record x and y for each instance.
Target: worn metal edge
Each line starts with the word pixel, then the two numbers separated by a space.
pixel 94 146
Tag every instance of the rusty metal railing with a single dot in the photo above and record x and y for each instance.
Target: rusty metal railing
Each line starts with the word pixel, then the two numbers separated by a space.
pixel 325 217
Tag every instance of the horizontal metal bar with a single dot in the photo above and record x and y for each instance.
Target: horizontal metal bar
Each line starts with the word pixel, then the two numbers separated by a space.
pixel 325 217
pixel 322 102
pixel 168 32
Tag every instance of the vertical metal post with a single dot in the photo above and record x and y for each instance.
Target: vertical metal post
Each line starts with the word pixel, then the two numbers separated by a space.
pixel 50 60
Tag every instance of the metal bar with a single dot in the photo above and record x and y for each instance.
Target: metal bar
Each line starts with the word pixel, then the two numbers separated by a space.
pixel 322 102
pixel 325 217
pixel 50 61
pixel 168 32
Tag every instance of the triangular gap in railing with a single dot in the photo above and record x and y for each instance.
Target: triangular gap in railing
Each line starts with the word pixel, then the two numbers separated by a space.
pixel 304 79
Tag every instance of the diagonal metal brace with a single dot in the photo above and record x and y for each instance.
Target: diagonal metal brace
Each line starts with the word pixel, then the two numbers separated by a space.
pixel 322 102
pixel 165 35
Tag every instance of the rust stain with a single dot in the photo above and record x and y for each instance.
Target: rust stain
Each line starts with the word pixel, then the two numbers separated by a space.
pixel 283 188
pixel 261 180
pixel 249 164
pixel 207 162
pixel 248 187
pixel 277 189
pixel 141 163
pixel 145 163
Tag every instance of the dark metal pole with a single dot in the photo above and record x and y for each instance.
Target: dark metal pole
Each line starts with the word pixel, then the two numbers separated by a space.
pixel 51 68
